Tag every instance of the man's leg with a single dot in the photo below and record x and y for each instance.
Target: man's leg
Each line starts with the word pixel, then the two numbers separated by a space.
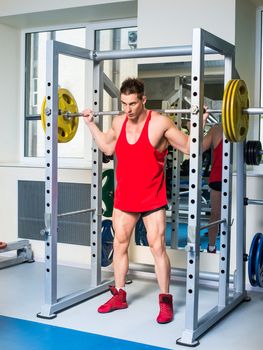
pixel 215 200
pixel 155 224
pixel 123 225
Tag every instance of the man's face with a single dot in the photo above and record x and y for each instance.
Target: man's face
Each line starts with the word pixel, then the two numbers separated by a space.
pixel 132 105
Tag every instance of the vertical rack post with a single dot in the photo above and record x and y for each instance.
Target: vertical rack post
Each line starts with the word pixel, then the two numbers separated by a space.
pixel 51 186
pixel 196 139
pixel 240 219
pixel 175 193
pixel 226 202
pixel 96 187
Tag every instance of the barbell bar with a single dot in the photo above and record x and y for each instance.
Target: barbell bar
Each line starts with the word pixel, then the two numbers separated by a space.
pixel 102 113
pixel 250 111
pixel 70 213
pixel 214 223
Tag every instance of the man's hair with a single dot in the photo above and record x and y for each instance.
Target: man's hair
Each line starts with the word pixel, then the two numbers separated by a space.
pixel 132 86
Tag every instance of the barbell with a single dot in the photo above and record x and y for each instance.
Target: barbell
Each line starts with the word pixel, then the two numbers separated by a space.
pixel 235 112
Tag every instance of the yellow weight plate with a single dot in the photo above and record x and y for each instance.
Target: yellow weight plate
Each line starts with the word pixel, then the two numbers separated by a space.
pixel 224 117
pixel 67 126
pixel 239 121
pixel 43 114
pixel 233 110
pixel 230 108
pixel 225 109
pixel 227 121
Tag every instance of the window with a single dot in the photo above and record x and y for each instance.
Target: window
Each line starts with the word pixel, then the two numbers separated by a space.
pixel 116 70
pixel 72 76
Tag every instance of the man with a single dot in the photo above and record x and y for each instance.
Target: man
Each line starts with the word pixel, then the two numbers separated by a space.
pixel 214 139
pixel 140 139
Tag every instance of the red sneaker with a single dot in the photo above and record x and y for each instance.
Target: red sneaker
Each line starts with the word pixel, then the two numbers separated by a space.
pixel 118 301
pixel 166 313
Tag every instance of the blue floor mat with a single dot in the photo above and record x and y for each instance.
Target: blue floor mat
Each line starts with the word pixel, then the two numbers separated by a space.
pixel 19 334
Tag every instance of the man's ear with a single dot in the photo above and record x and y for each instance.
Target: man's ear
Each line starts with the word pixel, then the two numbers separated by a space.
pixel 144 99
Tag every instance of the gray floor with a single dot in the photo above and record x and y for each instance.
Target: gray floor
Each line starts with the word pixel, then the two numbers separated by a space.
pixel 22 294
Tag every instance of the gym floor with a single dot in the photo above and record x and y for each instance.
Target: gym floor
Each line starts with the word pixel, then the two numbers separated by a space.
pixel 135 328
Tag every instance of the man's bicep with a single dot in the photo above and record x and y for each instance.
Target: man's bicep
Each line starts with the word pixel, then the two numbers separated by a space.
pixel 110 135
pixel 207 140
pixel 176 138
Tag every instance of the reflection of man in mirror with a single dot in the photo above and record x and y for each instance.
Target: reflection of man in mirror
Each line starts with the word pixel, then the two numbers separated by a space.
pixel 214 140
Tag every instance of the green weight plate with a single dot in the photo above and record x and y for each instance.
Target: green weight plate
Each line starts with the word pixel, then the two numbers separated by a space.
pixel 108 192
pixel 107 237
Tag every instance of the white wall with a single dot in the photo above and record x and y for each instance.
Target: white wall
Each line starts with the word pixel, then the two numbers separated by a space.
pixel 9 92
pixel 15 7
pixel 55 14
pixel 170 22
pixel 245 54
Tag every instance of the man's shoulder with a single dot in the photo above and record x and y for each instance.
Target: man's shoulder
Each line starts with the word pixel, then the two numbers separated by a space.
pixel 160 119
pixel 118 119
pixel 158 116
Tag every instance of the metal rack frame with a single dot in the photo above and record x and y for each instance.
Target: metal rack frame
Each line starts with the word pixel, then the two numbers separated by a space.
pixel 53 304
pixel 203 43
pixel 195 326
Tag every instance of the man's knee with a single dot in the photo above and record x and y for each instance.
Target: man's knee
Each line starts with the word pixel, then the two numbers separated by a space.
pixel 121 239
pixel 157 245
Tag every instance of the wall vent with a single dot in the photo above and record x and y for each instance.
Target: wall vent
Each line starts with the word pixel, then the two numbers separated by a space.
pixel 74 229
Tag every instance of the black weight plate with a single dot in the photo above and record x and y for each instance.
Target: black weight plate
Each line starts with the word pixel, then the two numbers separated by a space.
pixel 246 152
pixel 251 152
pixel 258 149
pixel 254 152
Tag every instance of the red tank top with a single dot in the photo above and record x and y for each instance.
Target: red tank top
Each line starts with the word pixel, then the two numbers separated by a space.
pixel 216 169
pixel 139 173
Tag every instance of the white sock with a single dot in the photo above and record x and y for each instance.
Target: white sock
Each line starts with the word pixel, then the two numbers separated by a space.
pixel 118 289
pixel 211 247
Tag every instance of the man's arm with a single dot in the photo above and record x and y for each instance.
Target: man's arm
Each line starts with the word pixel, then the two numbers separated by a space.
pixel 213 137
pixel 105 141
pixel 208 140
pixel 179 139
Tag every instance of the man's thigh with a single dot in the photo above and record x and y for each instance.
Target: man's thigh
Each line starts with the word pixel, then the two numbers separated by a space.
pixel 124 223
pixel 155 224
